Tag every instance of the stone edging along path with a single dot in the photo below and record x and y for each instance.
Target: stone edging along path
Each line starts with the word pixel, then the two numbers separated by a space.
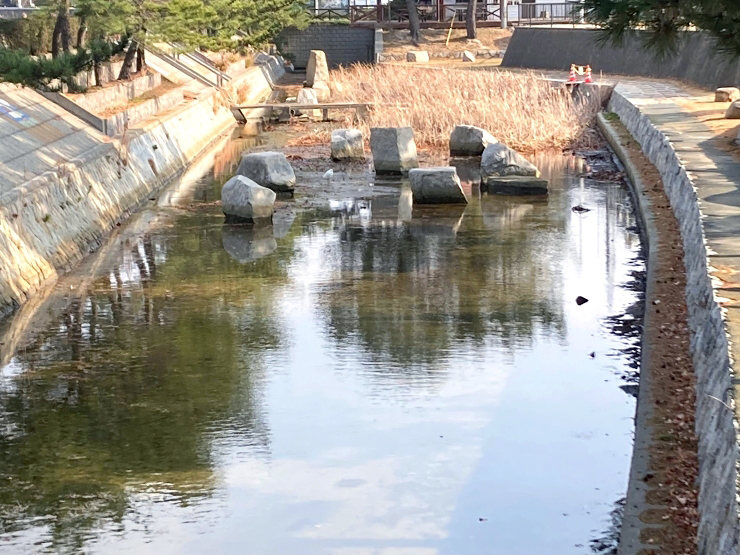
pixel 696 177
pixel 48 224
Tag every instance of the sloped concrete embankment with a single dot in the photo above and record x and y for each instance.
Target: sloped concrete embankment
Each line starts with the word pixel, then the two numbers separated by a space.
pixel 718 509
pixel 51 222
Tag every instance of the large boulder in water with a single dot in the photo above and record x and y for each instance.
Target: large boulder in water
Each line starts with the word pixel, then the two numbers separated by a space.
pixel 436 186
pixel 347 144
pixel 243 201
pixel 469 140
pixel 518 185
pixel 317 70
pixel 499 160
pixel 269 169
pixel 394 149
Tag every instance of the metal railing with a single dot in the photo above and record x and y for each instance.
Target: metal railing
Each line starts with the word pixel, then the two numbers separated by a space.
pixel 519 14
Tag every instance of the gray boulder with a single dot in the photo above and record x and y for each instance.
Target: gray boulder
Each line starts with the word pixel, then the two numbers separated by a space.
pixel 727 94
pixel 500 160
pixel 269 169
pixel 468 140
pixel 347 144
pixel 436 186
pixel 394 149
pixel 417 56
pixel 733 112
pixel 514 185
pixel 317 70
pixel 307 95
pixel 242 200
pixel 245 244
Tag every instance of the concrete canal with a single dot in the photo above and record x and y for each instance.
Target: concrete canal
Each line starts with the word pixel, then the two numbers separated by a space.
pixel 362 377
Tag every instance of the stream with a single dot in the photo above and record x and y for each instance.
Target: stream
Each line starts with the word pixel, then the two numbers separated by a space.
pixel 364 377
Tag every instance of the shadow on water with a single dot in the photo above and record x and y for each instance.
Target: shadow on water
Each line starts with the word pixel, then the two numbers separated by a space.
pixel 367 377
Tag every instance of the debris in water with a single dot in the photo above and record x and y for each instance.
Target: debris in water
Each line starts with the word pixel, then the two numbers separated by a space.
pixel 580 209
pixel 581 300
pixel 592 355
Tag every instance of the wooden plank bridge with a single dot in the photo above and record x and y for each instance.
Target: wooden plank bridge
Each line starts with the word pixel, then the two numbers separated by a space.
pixel 291 108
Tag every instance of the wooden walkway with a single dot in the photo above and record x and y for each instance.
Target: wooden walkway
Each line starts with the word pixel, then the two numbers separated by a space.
pixel 291 108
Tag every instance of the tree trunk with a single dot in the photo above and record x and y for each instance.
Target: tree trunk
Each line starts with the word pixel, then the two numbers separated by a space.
pixel 81 34
pixel 504 14
pixel 98 70
pixel 55 39
pixel 470 19
pixel 414 25
pixel 140 59
pixel 128 61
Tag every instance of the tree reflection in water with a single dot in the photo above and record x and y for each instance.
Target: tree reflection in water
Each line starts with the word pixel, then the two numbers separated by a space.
pixel 125 389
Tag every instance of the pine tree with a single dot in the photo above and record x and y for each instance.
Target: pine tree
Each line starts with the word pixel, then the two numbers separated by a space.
pixel 665 19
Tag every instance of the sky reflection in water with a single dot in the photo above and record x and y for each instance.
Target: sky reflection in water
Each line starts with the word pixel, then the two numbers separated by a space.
pixel 356 382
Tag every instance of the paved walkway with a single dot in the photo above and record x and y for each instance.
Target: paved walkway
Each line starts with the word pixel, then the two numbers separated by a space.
pixel 716 175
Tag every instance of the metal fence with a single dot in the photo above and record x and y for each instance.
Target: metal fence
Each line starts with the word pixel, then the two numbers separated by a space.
pixel 518 14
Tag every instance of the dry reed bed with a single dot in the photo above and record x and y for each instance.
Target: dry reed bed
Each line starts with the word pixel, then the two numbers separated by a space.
pixel 523 112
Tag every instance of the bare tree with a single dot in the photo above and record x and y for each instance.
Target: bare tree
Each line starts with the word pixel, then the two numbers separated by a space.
pixel 414 25
pixel 470 19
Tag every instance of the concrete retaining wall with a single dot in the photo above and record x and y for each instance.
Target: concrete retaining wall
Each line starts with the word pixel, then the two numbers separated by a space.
pixel 696 61
pixel 53 221
pixel 718 526
pixel 98 100
pixel 344 45
pixel 109 71
pixel 117 123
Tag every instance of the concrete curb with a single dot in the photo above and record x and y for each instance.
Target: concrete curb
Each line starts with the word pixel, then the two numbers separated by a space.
pixel 636 503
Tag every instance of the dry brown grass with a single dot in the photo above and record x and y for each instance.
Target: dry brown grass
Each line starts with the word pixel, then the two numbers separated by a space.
pixel 524 113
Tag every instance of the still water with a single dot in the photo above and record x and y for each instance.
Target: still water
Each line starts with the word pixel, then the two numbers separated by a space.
pixel 360 379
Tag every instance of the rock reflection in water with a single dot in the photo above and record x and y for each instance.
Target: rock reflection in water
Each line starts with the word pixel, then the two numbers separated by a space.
pixel 372 378
pixel 245 243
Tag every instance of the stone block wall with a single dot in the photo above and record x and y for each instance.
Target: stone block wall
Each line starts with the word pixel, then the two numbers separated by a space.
pixel 343 45
pixel 697 59
pixel 718 451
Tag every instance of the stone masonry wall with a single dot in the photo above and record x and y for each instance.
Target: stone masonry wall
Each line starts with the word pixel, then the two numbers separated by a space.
pixel 53 221
pixel 718 526
pixel 343 45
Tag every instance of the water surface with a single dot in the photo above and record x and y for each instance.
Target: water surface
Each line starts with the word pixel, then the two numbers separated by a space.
pixel 363 379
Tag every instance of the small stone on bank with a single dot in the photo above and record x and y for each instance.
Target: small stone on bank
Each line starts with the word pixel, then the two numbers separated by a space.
pixel 727 94
pixel 733 112
pixel 419 56
pixel 468 56
pixel 514 185
pixel 436 186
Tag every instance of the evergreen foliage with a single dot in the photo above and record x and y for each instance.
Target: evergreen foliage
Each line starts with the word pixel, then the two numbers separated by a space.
pixel 665 19
pixel 215 25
